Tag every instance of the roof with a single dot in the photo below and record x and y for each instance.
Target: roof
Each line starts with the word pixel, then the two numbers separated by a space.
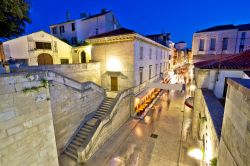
pixel 218 28
pixel 239 61
pixel 243 27
pixel 117 32
pixel 85 18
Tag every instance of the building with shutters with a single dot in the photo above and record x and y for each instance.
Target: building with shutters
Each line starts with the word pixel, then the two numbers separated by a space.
pixel 221 40
pixel 76 31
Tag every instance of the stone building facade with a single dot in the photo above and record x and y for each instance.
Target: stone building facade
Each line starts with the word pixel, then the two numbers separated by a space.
pixel 129 58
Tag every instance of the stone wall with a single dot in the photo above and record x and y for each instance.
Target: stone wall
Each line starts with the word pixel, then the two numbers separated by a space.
pixel 80 72
pixel 69 108
pixel 39 112
pixel 235 138
pixel 26 126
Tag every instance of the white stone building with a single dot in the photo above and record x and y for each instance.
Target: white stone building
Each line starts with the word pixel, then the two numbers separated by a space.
pixel 77 31
pixel 128 59
pixel 224 39
pixel 41 48
pixel 38 48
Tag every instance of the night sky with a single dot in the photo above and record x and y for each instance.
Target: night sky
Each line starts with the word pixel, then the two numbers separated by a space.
pixel 179 17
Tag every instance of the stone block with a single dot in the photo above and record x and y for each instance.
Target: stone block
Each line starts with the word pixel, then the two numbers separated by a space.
pixel 14 130
pixel 7 114
pixel 6 89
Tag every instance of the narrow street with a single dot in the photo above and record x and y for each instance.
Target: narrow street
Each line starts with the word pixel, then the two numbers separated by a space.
pixel 160 139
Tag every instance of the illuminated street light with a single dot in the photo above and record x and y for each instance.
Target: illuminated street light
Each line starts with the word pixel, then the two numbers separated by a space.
pixel 196 153
pixel 113 64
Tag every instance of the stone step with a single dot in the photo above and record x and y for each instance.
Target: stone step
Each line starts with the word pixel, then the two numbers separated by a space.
pixel 68 153
pixel 73 146
pixel 71 150
pixel 100 113
pixel 79 139
pixel 83 132
pixel 85 129
pixel 76 142
pixel 81 136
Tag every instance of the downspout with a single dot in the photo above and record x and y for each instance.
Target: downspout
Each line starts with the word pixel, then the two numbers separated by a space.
pixel 236 42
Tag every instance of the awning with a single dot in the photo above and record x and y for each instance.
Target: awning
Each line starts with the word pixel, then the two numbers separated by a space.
pixel 190 102
pixel 144 93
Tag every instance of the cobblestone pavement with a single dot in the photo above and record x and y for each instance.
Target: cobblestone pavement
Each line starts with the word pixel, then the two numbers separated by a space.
pixel 160 139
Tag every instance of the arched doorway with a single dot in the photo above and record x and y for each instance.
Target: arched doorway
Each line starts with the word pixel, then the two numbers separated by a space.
pixel 45 59
pixel 83 57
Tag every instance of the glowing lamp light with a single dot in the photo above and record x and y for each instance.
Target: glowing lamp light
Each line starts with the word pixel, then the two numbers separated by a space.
pixel 192 87
pixel 196 153
pixel 113 64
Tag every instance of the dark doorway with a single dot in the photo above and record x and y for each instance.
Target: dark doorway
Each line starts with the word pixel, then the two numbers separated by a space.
pixel 225 88
pixel 83 57
pixel 45 59
pixel 114 84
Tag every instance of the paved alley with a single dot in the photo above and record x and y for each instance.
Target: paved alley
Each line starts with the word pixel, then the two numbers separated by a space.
pixel 160 139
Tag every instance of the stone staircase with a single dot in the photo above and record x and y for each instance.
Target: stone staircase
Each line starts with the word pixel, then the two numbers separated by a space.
pixel 85 130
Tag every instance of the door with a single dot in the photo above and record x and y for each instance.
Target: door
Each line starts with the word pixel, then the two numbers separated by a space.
pixel 83 57
pixel 44 59
pixel 114 84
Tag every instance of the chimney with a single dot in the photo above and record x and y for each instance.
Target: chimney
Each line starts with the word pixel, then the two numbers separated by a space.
pixel 67 16
pixel 83 15
pixel 103 10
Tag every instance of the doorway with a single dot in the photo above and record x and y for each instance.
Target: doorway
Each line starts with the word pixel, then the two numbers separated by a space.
pixel 83 57
pixel 114 83
pixel 44 59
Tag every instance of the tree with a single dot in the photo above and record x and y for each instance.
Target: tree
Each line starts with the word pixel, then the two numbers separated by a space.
pixel 14 14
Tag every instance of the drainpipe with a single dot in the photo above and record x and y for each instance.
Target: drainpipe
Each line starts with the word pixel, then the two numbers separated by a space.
pixel 236 42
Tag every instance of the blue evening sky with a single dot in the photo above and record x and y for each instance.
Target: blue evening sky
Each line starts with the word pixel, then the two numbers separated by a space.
pixel 179 17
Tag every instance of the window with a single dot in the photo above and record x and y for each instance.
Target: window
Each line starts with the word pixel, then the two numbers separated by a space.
pixel 141 52
pixel 73 40
pixel 150 53
pixel 156 50
pixel 61 29
pixel 64 61
pixel 149 71
pixel 161 54
pixel 242 41
pixel 54 30
pixel 224 43
pixel 156 65
pixel 55 46
pixel 160 67
pixel 141 74
pixel 201 47
pixel 96 31
pixel 73 27
pixel 212 44
pixel 43 45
